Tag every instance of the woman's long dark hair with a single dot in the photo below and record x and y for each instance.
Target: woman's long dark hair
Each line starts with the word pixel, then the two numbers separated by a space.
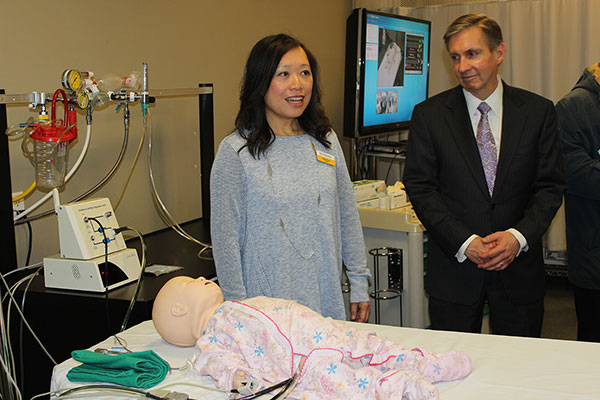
pixel 261 65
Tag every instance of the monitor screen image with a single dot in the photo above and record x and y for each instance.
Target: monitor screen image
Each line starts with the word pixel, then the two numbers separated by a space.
pixel 387 71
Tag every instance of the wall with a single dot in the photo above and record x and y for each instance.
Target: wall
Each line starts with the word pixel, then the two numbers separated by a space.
pixel 184 43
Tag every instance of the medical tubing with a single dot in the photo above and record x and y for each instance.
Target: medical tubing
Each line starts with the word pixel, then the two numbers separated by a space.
pixel 102 181
pixel 167 217
pixel 387 174
pixel 195 385
pixel 11 379
pixel 112 170
pixel 99 184
pixel 33 185
pixel 41 395
pixel 288 388
pixel 15 285
pixel 86 146
pixel 29 243
pixel 105 241
pixel 65 99
pixel 54 123
pixel 109 387
pixel 164 213
pixel 32 266
pixel 139 281
pixel 120 341
pixel 267 390
pixel 6 355
pixel 13 131
pixel 99 388
pixel 11 293
pixel 9 349
pixel 133 163
pixel 25 193
pixel 27 323
pixel 67 177
pixel 21 353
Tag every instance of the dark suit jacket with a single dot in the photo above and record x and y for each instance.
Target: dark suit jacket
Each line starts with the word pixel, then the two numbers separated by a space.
pixel 447 188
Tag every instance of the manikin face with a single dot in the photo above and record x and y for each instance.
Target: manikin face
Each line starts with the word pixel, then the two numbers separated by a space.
pixel 183 307
pixel 203 291
pixel 290 89
pixel 475 65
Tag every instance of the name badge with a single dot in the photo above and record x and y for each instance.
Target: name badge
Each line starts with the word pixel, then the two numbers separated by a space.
pixel 325 157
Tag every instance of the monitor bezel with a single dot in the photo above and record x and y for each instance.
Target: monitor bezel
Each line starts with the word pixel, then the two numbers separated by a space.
pixel 359 39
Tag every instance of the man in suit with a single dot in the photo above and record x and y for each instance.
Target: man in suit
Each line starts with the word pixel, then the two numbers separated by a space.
pixel 486 181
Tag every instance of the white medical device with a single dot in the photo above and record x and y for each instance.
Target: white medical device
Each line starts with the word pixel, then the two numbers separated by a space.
pixel 88 236
pixel 93 255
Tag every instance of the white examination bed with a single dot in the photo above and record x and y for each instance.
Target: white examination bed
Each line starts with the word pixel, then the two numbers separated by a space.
pixel 507 368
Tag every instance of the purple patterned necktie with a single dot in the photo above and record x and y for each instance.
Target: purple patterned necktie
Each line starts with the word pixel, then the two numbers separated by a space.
pixel 487 147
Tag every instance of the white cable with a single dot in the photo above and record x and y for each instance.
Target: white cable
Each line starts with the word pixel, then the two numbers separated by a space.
pixel 74 392
pixel 13 290
pixel 68 176
pixel 21 269
pixel 179 384
pixel 9 350
pixel 27 323
pixel 6 352
pixel 41 395
pixel 10 378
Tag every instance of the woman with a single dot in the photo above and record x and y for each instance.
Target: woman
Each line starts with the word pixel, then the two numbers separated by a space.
pixel 283 214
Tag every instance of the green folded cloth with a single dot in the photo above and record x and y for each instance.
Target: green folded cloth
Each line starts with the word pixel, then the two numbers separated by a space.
pixel 140 369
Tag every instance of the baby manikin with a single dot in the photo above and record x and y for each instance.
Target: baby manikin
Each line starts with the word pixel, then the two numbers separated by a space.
pixel 267 340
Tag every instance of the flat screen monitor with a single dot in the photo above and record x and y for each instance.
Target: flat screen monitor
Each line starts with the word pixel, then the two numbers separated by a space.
pixel 387 71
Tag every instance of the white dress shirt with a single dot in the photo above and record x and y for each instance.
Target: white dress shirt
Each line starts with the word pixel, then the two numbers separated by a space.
pixel 495 120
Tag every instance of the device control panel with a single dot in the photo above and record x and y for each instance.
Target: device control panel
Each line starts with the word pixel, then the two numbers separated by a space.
pixel 87 229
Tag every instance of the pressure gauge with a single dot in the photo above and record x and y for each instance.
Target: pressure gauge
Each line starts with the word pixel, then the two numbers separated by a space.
pixel 71 79
pixel 83 100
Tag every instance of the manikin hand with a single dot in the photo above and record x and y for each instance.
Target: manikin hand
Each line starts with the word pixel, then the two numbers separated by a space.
pixel 243 385
pixel 246 386
pixel 501 251
pixel 238 378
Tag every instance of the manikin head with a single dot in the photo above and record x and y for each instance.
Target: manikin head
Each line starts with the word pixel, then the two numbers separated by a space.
pixel 183 307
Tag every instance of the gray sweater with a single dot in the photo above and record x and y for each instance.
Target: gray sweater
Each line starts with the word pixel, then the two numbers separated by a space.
pixel 282 224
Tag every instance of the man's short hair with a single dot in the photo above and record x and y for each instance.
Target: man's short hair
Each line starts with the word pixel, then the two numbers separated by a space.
pixel 489 26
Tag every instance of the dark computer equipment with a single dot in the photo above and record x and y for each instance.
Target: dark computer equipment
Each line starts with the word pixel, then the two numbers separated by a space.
pixel 387 71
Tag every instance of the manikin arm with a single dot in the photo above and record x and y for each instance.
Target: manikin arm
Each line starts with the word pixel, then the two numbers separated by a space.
pixel 228 369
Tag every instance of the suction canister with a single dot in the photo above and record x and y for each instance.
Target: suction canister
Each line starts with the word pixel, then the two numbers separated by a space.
pixel 50 145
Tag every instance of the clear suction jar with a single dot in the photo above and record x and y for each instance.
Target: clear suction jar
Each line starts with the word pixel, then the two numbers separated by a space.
pixel 50 159
pixel 50 148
